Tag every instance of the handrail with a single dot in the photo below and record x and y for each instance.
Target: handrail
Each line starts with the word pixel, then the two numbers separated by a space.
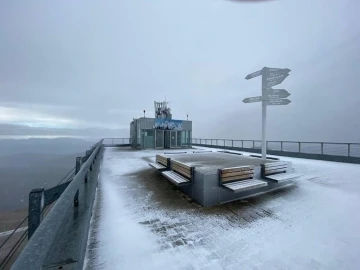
pixel 333 151
pixel 275 141
pixel 46 234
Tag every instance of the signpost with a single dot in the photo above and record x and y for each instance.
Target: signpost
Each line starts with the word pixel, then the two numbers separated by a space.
pixel 252 99
pixel 270 78
pixel 253 75
pixel 277 101
pixel 276 93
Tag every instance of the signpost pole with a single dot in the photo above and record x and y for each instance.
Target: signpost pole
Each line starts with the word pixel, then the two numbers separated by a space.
pixel 263 144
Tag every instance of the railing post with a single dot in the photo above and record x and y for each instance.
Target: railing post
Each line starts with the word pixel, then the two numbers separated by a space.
pixel 322 148
pixel 267 145
pixel 211 141
pixel 36 205
pixel 281 146
pixel 76 199
pixel 232 143
pixel 217 142
pixel 123 141
pixel 299 147
pixel 78 165
pixel 242 144
pixel 224 142
pixel 253 144
pixel 348 149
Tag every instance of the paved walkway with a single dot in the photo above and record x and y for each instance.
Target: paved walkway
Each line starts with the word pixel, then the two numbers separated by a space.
pixel 141 221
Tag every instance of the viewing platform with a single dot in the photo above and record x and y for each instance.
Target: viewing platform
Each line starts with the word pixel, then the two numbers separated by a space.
pixel 142 221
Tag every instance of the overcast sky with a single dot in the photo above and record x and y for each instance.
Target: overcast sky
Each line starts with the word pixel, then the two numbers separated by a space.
pixel 100 63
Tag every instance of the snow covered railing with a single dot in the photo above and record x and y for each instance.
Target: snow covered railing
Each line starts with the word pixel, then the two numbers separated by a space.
pixel 330 151
pixel 60 240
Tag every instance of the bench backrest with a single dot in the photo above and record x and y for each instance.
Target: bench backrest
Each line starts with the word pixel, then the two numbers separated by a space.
pixel 162 160
pixel 273 168
pixel 183 169
pixel 228 175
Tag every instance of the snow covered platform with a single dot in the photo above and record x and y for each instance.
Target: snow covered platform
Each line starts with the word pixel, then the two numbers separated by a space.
pixel 141 221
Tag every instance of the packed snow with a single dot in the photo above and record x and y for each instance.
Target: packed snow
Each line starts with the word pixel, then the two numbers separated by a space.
pixel 141 221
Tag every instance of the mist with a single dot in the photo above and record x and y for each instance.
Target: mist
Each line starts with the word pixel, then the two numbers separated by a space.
pixel 76 65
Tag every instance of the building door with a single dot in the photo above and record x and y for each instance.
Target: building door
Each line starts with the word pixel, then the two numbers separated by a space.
pixel 159 139
pixel 167 139
pixel 173 139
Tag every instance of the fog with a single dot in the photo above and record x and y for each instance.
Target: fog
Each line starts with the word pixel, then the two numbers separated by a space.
pixel 97 64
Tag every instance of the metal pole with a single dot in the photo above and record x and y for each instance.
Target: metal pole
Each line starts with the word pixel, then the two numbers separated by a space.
pixel 348 149
pixel 263 137
pixel 299 147
pixel 232 143
pixel 263 145
pixel 281 146
pixel 78 165
pixel 36 205
pixel 322 148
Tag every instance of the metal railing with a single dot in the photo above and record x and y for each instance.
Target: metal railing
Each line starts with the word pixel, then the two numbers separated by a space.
pixel 116 141
pixel 72 210
pixel 66 225
pixel 306 149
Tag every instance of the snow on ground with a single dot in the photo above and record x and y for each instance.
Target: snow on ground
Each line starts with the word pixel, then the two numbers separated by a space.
pixel 141 221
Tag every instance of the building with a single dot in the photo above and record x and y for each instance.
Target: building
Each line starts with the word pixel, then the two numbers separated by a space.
pixel 160 132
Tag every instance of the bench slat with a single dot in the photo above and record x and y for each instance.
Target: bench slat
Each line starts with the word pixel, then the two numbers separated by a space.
pixel 275 164
pixel 237 169
pixel 275 171
pixel 157 166
pixel 224 175
pixel 161 159
pixel 181 164
pixel 237 177
pixel 242 183
pixel 276 167
pixel 175 178
pixel 182 172
pixel 245 185
pixel 283 177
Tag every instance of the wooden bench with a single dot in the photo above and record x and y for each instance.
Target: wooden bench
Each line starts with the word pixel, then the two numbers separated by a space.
pixel 161 163
pixel 239 178
pixel 180 173
pixel 277 172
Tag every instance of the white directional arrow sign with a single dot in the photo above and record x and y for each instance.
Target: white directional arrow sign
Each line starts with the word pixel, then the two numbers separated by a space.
pixel 276 93
pixel 252 99
pixel 272 81
pixel 274 76
pixel 277 101
pixel 253 75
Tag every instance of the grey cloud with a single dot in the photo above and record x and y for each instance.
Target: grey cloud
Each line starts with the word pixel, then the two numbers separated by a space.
pixel 102 63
